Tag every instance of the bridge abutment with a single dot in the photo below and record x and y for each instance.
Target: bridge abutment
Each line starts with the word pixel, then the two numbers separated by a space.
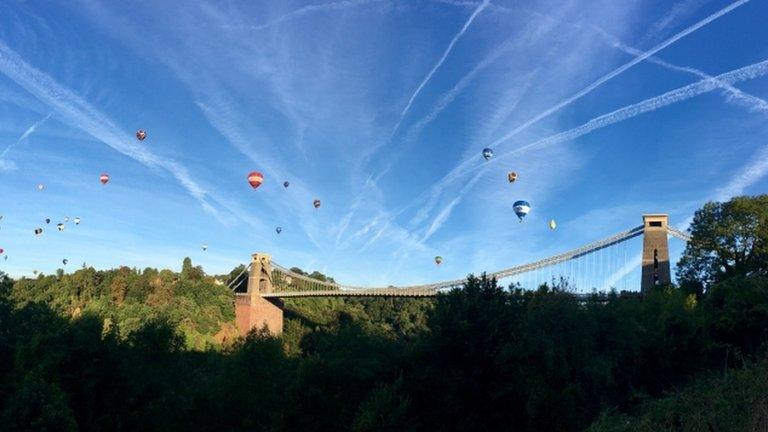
pixel 655 252
pixel 251 309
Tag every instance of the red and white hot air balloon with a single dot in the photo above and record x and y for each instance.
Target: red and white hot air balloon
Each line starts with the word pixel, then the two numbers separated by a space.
pixel 104 178
pixel 141 134
pixel 255 179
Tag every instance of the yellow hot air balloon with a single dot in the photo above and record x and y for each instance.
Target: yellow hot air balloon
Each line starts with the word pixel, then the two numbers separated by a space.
pixel 552 224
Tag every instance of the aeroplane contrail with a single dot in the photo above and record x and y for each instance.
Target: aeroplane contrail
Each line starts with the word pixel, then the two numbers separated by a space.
pixel 610 75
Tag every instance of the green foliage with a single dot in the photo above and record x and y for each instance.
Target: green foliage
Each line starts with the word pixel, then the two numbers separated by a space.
pixel 736 402
pixel 129 350
pixel 128 299
pixel 728 240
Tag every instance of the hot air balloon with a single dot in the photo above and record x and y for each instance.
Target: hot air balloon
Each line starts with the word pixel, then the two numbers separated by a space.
pixel 255 179
pixel 278 230
pixel 286 184
pixel 141 134
pixel 2 250
pixel 438 260
pixel 204 247
pixel 40 186
pixel 60 226
pixel 521 209
pixel 512 176
pixel 487 153
pixel 552 224
pixel 47 220
pixel 64 261
pixel 38 231
pixel 316 203
pixel 104 178
pixel 77 221
pixel 66 218
pixel 1 217
pixel 34 272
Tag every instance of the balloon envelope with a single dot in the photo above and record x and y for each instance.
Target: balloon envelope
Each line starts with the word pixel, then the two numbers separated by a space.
pixel 47 220
pixel 77 221
pixel 40 186
pixel 286 184
pixel 487 153
pixel 141 134
pixel 316 203
pixel 521 209
pixel 255 179
pixel 278 230
pixel 204 247
pixel 438 260
pixel 552 224
pixel 512 176
pixel 60 227
pixel 104 178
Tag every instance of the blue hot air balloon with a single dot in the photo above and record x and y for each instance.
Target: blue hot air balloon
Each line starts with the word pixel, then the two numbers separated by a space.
pixel 487 153
pixel 278 230
pixel 521 209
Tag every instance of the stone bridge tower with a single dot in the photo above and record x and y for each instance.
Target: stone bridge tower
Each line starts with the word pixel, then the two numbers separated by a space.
pixel 251 309
pixel 655 252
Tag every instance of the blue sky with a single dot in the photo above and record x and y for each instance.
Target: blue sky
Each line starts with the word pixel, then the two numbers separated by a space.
pixel 380 109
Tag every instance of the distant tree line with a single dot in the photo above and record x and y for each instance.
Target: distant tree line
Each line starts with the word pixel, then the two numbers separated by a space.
pixel 155 350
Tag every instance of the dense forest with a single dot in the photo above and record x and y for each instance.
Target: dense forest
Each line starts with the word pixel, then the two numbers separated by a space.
pixel 130 349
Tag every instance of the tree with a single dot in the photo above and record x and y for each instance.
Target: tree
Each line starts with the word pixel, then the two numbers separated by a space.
pixel 728 240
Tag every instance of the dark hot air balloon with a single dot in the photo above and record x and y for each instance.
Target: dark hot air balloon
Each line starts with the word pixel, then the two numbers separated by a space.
pixel 141 134
pixel 438 260
pixel 104 178
pixel 512 176
pixel 487 153
pixel 286 184
pixel 278 230
pixel 316 203
pixel 521 209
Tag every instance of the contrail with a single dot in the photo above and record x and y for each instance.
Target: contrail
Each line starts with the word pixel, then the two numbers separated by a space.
pixel 752 71
pixel 439 63
pixel 621 69
pixel 311 9
pixel 81 114
pixel 752 102
pixel 25 135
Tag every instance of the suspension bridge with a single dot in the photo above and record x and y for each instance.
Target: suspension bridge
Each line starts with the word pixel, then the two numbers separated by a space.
pixel 261 286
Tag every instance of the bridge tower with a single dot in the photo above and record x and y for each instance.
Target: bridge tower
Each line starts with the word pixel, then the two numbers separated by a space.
pixel 655 252
pixel 251 309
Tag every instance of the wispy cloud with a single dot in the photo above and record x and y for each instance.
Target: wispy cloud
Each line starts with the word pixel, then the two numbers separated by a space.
pixel 439 63
pixel 6 165
pixel 612 74
pixel 74 109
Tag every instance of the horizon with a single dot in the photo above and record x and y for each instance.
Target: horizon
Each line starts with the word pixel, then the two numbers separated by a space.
pixel 381 110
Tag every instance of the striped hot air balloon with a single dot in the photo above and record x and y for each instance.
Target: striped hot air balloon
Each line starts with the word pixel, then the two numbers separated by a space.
pixel 316 203
pixel 38 231
pixel 521 209
pixel 438 260
pixel 512 176
pixel 255 179
pixel 60 226
pixel 104 178
pixel 141 134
